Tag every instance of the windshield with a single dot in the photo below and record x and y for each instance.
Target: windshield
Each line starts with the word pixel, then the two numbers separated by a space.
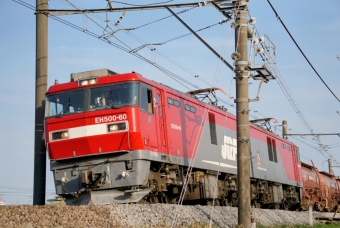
pixel 64 103
pixel 114 96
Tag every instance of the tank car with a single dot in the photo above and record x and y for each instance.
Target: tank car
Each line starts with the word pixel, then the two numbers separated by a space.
pixel 121 138
pixel 321 189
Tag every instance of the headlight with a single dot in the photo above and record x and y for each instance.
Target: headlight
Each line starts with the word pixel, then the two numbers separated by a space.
pixel 64 134
pixel 113 127
pixel 89 81
pixel 93 81
pixel 116 127
pixel 83 83
pixel 60 135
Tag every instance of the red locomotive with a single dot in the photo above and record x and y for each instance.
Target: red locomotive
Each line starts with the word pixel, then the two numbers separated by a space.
pixel 121 138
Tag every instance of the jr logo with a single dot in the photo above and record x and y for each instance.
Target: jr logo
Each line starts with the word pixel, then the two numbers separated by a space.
pixel 229 148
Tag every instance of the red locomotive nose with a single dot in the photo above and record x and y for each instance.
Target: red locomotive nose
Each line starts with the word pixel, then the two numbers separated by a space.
pixel 96 133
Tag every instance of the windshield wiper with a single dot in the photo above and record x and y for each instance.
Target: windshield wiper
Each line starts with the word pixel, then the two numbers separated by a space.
pixel 63 111
pixel 114 98
pixel 114 107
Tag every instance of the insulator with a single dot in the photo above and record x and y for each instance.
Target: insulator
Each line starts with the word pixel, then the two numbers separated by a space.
pixel 252 21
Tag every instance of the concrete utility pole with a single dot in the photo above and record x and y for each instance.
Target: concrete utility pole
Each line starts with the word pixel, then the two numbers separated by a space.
pixel 242 118
pixel 330 166
pixel 39 186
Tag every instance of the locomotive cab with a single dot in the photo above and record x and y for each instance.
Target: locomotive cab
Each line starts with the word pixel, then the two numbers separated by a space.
pixel 81 115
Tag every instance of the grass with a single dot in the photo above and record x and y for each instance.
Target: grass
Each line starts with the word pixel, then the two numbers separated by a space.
pixel 319 225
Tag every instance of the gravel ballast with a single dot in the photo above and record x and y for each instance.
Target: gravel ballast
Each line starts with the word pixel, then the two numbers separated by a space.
pixel 138 215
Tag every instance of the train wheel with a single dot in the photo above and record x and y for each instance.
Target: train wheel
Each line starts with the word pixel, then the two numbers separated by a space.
pixel 319 206
pixel 226 202
pixel 211 202
pixel 154 199
pixel 328 209
pixel 337 208
pixel 172 199
pixel 277 206
pixel 143 201
pixel 257 205
pixel 305 204
pixel 304 207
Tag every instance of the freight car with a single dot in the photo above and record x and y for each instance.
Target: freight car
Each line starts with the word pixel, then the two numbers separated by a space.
pixel 320 189
pixel 121 138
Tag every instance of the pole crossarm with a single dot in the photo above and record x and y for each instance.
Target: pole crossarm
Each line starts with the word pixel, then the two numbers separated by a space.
pixel 61 12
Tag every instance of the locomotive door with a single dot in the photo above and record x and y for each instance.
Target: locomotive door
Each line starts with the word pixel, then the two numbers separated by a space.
pixel 296 163
pixel 162 142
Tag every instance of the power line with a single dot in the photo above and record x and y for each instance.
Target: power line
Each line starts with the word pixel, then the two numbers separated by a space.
pixel 181 36
pixel 321 149
pixel 143 58
pixel 84 12
pixel 128 50
pixel 151 4
pixel 284 87
pixel 278 17
pixel 109 34
pixel 167 72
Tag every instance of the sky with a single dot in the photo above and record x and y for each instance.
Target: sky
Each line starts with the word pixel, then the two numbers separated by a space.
pixel 315 26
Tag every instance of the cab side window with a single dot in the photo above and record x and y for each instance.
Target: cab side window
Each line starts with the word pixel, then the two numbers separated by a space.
pixel 146 100
pixel 272 149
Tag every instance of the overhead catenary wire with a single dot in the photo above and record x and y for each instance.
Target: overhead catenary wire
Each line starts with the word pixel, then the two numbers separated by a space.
pixel 285 89
pixel 151 4
pixel 133 51
pixel 134 28
pixel 144 44
pixel 120 47
pixel 321 149
pixel 311 65
pixel 170 74
pixel 167 72
pixel 181 36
